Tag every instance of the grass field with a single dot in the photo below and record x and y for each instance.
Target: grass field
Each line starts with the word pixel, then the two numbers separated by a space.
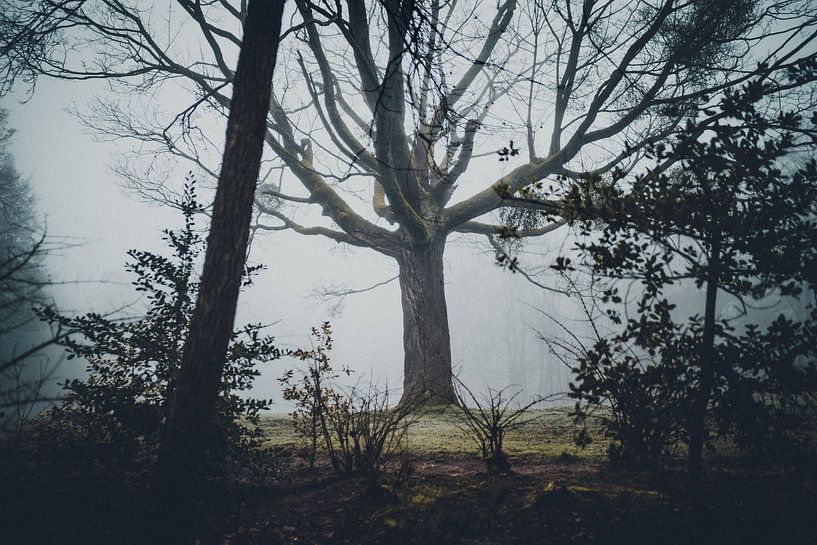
pixel 548 433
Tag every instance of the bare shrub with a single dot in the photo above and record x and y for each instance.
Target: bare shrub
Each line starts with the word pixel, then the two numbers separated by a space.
pixel 357 429
pixel 487 418
pixel 311 392
pixel 364 431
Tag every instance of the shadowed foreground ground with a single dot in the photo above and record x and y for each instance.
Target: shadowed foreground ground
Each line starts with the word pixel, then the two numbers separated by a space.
pixel 555 495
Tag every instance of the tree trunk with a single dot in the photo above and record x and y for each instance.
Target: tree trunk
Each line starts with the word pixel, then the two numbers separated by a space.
pixel 697 424
pixel 191 428
pixel 426 339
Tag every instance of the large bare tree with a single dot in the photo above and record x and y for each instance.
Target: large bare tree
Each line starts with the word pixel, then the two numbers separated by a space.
pixel 389 115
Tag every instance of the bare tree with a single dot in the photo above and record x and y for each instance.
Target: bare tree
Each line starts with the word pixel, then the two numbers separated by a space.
pixel 405 102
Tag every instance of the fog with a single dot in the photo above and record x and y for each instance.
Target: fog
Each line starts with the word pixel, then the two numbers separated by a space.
pixel 493 313
pixel 495 316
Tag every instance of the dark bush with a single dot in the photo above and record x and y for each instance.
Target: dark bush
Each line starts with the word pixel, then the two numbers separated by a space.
pixel 117 410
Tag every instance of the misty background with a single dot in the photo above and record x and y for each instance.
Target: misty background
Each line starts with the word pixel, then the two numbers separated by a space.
pixel 494 314
pixel 496 317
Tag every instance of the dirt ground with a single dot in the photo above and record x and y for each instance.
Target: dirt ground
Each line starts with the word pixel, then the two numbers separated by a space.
pixel 447 499
pixel 431 495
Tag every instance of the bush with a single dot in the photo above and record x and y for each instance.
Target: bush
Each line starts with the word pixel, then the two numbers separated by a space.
pixel 770 404
pixel 486 420
pixel 357 429
pixel 647 404
pixel 118 409
pixel 364 432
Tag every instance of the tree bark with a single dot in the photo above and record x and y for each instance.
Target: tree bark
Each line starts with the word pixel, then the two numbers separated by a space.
pixel 426 339
pixel 191 428
pixel 697 424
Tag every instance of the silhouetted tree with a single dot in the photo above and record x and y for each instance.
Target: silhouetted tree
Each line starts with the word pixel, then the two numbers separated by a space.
pixel 133 363
pixel 191 424
pixel 735 218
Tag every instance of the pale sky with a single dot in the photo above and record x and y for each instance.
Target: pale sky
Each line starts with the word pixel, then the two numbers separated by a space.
pixel 79 198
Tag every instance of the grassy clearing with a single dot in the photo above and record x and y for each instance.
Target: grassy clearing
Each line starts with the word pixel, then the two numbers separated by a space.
pixel 549 433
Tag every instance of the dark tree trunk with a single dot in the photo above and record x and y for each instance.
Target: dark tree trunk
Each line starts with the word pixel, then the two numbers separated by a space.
pixel 697 423
pixel 426 340
pixel 191 427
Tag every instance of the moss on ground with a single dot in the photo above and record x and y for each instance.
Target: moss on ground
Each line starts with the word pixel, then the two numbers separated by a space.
pixel 548 433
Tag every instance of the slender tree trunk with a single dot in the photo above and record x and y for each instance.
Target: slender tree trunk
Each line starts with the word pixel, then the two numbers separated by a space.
pixel 697 424
pixel 191 428
pixel 426 339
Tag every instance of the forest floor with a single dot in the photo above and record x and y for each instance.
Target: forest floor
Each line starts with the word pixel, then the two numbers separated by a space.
pixel 556 494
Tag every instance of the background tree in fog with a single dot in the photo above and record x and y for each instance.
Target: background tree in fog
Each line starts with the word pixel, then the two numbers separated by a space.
pixel 24 364
pixel 390 113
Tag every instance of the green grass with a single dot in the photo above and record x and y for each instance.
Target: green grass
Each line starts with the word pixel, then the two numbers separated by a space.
pixel 549 433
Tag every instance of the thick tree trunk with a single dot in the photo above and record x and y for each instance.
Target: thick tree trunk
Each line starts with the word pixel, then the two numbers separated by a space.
pixel 191 429
pixel 426 340
pixel 697 423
